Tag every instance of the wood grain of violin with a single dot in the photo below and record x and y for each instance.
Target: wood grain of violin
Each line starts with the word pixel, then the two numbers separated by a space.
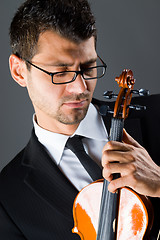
pixel 125 215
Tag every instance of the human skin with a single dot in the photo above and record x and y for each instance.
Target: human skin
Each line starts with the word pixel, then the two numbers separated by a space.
pixel 58 108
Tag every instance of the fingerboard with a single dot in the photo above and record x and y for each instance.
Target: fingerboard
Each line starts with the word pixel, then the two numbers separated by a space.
pixel 109 202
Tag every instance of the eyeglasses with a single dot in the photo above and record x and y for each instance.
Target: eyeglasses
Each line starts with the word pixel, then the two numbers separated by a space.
pixel 65 77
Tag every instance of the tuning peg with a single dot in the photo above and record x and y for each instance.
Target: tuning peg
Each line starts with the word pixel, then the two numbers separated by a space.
pixel 104 110
pixel 109 95
pixel 137 107
pixel 141 92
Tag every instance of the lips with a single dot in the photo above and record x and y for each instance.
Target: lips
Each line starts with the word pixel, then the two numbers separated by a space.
pixel 75 104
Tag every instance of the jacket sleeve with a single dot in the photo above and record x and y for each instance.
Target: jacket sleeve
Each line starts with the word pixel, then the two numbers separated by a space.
pixel 8 230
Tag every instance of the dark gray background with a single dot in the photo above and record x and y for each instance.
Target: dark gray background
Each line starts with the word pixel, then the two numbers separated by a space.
pixel 129 37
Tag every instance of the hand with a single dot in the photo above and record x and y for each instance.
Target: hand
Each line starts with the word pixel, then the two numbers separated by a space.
pixel 137 169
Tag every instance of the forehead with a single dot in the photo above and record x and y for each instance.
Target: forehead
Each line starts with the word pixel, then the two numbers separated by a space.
pixel 51 45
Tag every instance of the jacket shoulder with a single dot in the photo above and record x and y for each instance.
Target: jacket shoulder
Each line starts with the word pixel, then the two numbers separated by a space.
pixel 12 164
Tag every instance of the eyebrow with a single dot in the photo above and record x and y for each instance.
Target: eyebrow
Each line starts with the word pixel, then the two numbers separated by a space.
pixel 59 64
pixel 93 60
pixel 63 64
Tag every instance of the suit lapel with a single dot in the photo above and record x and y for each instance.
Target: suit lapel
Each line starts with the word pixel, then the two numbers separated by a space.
pixel 45 178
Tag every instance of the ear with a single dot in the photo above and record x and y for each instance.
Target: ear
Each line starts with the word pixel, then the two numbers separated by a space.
pixel 18 70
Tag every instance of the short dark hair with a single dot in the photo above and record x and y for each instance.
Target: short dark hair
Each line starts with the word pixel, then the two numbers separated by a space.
pixel 71 19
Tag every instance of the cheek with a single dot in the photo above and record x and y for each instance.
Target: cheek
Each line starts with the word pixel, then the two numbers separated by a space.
pixel 42 88
pixel 91 85
pixel 52 93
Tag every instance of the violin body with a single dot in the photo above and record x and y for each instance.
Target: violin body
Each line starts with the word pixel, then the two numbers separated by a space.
pixel 134 218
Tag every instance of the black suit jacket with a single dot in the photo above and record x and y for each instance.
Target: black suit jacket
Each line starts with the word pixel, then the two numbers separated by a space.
pixel 36 198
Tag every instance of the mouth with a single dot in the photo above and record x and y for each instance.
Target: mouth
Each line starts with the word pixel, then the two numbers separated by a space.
pixel 76 104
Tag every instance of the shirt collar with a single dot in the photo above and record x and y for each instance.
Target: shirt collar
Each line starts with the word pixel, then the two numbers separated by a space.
pixel 91 126
pixel 53 142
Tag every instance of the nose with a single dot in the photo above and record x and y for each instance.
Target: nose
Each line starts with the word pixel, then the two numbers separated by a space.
pixel 77 86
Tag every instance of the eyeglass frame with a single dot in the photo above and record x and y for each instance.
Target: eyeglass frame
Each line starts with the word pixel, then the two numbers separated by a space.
pixel 76 72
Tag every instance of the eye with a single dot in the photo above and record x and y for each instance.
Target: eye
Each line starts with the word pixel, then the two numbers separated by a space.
pixel 89 71
pixel 60 74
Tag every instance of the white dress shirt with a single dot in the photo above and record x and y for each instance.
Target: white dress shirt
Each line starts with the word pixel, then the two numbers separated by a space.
pixel 96 136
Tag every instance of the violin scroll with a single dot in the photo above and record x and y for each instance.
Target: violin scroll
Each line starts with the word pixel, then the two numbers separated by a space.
pixel 126 80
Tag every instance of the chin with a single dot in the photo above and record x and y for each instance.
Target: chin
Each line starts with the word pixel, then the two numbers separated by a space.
pixel 73 118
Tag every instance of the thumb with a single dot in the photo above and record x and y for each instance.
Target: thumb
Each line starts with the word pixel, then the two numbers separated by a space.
pixel 129 140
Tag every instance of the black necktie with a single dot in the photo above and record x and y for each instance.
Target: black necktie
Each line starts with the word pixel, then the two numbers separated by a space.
pixel 76 146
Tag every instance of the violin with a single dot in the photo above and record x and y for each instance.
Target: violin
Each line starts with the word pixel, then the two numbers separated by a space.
pixel 125 215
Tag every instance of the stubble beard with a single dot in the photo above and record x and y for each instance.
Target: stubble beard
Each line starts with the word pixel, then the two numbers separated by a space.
pixel 76 115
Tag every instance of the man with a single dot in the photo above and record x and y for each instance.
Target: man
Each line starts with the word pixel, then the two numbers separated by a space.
pixel 54 57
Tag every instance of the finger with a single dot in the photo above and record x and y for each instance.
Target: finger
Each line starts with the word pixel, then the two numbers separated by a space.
pixel 107 176
pixel 131 182
pixel 110 156
pixel 129 140
pixel 114 145
pixel 126 145
pixel 123 169
pixel 125 181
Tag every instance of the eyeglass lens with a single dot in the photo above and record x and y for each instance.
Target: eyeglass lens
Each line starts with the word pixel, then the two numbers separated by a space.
pixel 87 73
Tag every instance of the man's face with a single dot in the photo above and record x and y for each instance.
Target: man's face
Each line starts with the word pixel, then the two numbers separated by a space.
pixel 60 107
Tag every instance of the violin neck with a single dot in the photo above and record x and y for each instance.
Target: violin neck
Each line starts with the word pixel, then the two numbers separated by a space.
pixel 116 129
pixel 110 201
